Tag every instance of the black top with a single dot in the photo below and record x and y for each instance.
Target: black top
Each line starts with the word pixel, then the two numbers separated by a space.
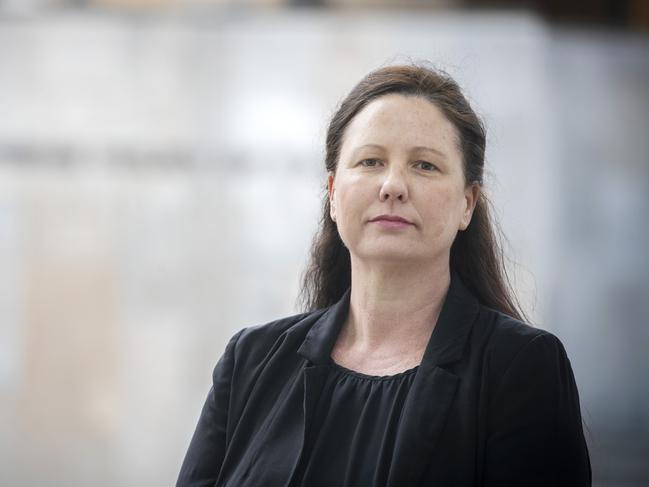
pixel 493 403
pixel 354 428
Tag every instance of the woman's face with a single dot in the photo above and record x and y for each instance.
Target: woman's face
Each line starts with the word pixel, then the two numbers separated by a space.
pixel 399 159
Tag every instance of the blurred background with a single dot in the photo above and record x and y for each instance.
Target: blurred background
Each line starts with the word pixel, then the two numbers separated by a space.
pixel 160 182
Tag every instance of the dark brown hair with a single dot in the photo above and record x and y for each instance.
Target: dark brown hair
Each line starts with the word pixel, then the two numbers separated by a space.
pixel 476 253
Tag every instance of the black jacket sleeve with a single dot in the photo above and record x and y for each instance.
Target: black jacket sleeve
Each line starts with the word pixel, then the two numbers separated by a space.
pixel 204 457
pixel 535 435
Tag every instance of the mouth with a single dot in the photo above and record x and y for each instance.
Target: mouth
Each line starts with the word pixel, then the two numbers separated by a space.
pixel 391 221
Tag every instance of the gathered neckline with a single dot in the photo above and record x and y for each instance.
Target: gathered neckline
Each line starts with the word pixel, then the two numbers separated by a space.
pixel 361 375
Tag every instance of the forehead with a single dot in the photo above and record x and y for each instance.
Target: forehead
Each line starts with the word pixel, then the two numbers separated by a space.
pixel 401 121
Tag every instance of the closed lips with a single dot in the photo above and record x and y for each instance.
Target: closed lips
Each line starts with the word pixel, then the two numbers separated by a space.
pixel 390 218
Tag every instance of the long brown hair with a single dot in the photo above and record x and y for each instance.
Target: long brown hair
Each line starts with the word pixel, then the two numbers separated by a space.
pixel 476 253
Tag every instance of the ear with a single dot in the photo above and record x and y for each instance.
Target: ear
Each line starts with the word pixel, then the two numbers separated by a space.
pixel 331 190
pixel 471 196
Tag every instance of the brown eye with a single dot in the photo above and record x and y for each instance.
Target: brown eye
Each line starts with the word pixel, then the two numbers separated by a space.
pixel 369 162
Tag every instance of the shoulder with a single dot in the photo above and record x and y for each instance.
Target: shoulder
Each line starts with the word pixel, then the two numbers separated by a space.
pixel 512 344
pixel 507 335
pixel 531 408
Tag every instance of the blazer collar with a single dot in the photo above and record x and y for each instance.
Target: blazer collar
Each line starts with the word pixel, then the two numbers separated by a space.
pixel 446 343
pixel 321 338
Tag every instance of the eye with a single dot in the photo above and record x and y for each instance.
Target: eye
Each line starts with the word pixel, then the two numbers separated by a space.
pixel 426 166
pixel 370 162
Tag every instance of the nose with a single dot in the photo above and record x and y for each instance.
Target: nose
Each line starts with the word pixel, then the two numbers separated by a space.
pixel 394 186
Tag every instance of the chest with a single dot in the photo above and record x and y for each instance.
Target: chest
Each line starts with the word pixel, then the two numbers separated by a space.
pixel 436 437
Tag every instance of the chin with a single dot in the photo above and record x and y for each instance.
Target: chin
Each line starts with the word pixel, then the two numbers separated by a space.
pixel 391 254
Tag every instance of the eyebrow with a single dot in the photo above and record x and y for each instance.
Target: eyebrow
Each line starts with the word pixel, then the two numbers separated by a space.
pixel 417 148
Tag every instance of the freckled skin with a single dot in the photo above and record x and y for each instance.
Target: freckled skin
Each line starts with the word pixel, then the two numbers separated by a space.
pixel 401 178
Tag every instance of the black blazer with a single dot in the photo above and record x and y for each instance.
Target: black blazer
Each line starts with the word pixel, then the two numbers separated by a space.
pixel 493 403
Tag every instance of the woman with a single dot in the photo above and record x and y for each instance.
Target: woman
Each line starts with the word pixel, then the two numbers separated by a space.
pixel 411 367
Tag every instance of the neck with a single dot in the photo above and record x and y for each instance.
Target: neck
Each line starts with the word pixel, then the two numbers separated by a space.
pixel 393 304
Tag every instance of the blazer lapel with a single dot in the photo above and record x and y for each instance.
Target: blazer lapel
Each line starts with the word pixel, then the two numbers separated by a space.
pixel 313 380
pixel 422 421
pixel 433 390
pixel 316 349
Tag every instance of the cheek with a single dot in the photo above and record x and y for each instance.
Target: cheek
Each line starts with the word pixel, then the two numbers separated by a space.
pixel 352 199
pixel 353 203
pixel 444 208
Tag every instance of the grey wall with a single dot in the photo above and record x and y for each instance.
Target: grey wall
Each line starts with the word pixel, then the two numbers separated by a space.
pixel 160 178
